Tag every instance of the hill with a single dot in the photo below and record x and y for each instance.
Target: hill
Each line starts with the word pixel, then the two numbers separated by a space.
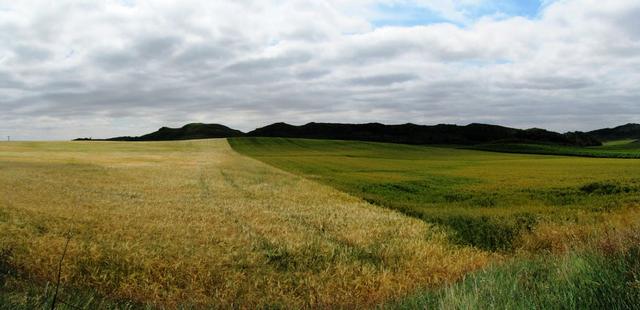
pixel 472 134
pixel 628 131
pixel 422 134
pixel 186 132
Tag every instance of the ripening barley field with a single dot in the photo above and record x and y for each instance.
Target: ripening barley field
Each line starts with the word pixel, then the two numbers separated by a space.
pixel 195 224
pixel 291 223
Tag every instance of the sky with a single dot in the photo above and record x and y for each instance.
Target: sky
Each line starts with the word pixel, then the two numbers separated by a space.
pixel 106 68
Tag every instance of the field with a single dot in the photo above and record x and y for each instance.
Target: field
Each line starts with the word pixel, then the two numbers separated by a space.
pixel 292 223
pixel 195 224
pixel 610 149
pixel 569 226
pixel 487 199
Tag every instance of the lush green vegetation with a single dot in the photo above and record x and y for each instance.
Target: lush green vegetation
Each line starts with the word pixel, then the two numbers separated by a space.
pixel 611 149
pixel 572 281
pixel 570 266
pixel 625 143
pixel 571 225
pixel 487 199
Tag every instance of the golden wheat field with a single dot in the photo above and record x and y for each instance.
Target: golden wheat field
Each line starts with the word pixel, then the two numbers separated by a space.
pixel 194 223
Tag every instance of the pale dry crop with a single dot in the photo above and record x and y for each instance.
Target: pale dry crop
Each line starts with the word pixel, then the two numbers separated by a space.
pixel 194 223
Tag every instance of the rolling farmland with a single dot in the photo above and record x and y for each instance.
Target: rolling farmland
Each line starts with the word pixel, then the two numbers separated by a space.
pixel 194 224
pixel 487 199
pixel 569 226
pixel 288 154
pixel 313 224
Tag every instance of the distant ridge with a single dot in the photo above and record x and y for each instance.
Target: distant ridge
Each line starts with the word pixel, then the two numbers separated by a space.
pixel 186 132
pixel 471 134
pixel 422 134
pixel 628 131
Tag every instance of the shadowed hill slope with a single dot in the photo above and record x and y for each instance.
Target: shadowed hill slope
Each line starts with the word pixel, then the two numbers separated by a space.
pixel 186 132
pixel 471 134
pixel 628 131
pixel 421 134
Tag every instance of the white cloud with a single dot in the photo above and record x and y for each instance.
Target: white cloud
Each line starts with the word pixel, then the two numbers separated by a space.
pixel 107 68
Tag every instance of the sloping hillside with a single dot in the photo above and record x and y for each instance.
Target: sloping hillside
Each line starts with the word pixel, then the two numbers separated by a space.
pixel 186 132
pixel 628 131
pixel 422 134
pixel 471 134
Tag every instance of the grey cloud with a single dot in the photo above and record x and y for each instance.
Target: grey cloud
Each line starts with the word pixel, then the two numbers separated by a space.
pixel 625 19
pixel 306 34
pixel 547 83
pixel 158 47
pixel 31 53
pixel 369 52
pixel 138 53
pixel 112 59
pixel 311 74
pixel 630 22
pixel 66 85
pixel 267 63
pixel 383 79
pixel 9 81
pixel 202 53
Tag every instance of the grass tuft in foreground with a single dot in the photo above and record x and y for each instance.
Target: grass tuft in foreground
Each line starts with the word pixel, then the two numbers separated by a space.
pixel 577 281
pixel 587 267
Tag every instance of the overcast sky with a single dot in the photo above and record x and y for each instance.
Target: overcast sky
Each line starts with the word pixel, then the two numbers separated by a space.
pixel 107 68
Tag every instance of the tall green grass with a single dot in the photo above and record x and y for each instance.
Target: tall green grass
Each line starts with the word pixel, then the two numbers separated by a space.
pixel 587 280
pixel 559 218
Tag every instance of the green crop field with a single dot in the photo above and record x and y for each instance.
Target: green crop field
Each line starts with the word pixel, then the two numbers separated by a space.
pixel 610 149
pixel 487 199
pixel 570 224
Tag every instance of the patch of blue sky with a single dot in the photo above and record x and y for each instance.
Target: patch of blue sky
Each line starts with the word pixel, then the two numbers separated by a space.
pixel 403 15
pixel 408 14
pixel 524 8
